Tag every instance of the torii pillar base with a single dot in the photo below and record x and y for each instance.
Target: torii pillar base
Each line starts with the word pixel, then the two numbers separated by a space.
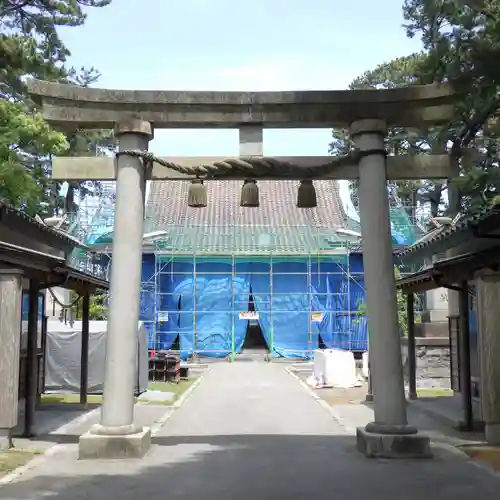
pixel 96 446
pixel 378 445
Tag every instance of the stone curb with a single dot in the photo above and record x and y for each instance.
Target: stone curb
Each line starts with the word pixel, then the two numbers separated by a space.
pixel 50 451
pixel 177 404
pixel 340 420
pixel 56 448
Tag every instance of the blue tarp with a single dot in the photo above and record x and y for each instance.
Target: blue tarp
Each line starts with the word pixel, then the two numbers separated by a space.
pixel 25 306
pixel 299 286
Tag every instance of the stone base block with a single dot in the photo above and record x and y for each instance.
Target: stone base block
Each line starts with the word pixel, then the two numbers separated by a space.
pixel 428 329
pixel 5 439
pixel 95 446
pixel 374 445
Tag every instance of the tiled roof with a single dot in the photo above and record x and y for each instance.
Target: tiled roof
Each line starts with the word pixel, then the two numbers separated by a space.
pixel 464 224
pixel 8 209
pixel 277 224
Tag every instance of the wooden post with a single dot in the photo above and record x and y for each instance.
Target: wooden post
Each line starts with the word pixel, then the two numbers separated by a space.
pixel 10 340
pixel 464 353
pixel 45 320
pixel 84 357
pixel 31 362
pixel 412 358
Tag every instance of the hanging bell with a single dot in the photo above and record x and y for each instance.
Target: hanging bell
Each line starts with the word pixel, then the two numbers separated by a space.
pixel 197 194
pixel 306 195
pixel 250 193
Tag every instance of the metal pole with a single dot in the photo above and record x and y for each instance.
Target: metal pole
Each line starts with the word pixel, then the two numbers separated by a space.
pixel 158 297
pixel 233 347
pixel 349 293
pixel 271 331
pixel 309 301
pixel 194 305
pixel 412 358
pixel 464 353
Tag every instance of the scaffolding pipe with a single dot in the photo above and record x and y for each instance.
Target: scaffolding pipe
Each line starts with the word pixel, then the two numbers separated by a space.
pixel 348 267
pixel 344 307
pixel 271 322
pixel 309 297
pixel 194 304
pixel 155 306
pixel 233 347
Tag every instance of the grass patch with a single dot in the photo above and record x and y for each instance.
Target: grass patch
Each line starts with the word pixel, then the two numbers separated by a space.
pixel 12 459
pixel 69 398
pixel 177 389
pixel 487 454
pixel 435 392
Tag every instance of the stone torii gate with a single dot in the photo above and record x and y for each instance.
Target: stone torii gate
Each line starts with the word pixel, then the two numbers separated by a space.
pixel 134 115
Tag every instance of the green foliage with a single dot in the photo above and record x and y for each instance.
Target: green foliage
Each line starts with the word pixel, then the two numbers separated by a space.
pixel 399 73
pixel 461 46
pixel 24 139
pixel 98 309
pixel 30 46
pixel 401 305
pixel 462 43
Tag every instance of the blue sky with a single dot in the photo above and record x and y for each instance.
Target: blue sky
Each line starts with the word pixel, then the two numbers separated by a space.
pixel 238 45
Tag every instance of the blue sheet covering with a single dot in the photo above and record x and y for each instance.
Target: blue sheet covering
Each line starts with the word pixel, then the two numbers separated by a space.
pixel 284 314
pixel 345 327
pixel 299 286
pixel 25 306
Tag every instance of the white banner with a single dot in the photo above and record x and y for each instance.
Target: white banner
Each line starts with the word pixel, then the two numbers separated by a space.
pixel 248 315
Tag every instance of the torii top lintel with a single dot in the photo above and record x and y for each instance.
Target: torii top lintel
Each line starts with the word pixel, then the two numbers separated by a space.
pixel 71 107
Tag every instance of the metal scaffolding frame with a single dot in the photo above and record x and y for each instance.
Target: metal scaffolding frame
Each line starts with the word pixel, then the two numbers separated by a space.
pixel 165 264
pixel 94 224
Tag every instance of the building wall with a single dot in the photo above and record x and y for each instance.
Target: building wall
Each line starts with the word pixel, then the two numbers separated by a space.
pixel 199 299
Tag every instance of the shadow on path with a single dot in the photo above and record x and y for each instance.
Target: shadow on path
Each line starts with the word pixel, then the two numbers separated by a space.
pixel 254 466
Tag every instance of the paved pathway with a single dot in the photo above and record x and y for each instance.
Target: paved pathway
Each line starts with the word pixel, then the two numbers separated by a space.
pixel 250 431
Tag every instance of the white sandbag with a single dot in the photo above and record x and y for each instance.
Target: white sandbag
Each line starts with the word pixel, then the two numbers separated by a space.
pixel 336 368
pixel 315 382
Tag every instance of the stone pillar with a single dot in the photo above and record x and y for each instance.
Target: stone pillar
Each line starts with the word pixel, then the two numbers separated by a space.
pixel 435 315
pixel 117 436
pixel 251 139
pixel 436 302
pixel 10 340
pixel 389 435
pixel 488 315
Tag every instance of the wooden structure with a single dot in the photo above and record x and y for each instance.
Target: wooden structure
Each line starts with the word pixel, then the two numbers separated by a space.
pixel 33 257
pixel 474 349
